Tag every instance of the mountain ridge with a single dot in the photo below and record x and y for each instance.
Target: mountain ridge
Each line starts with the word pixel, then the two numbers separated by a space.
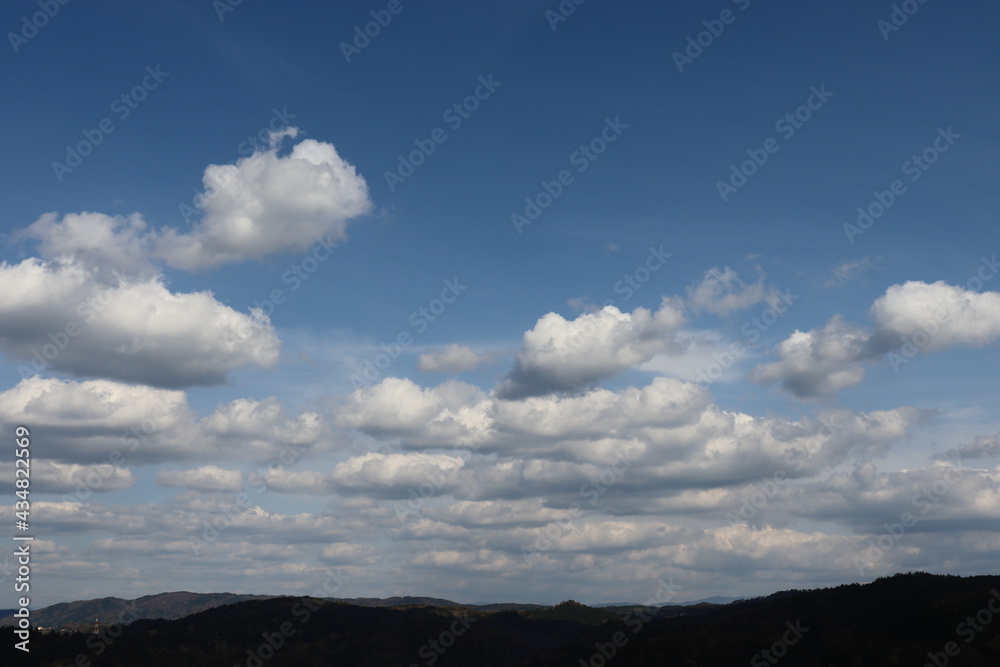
pixel 166 605
pixel 904 619
pixel 170 605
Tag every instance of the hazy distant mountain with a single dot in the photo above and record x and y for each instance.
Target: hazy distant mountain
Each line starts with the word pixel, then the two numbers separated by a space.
pixel 902 620
pixel 506 606
pixel 81 614
pixel 398 601
pixel 715 599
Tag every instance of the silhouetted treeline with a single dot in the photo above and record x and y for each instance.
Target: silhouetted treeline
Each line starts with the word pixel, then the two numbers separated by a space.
pixel 911 619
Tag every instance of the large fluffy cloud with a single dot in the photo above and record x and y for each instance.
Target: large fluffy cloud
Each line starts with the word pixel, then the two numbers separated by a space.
pixel 946 315
pixel 100 421
pixel 661 438
pixel 105 244
pixel 911 317
pixel 394 475
pixel 398 406
pixel 570 355
pixel 664 401
pixel 64 315
pixel 818 362
pixel 268 203
pixel 53 477
pixel 259 427
pixel 95 305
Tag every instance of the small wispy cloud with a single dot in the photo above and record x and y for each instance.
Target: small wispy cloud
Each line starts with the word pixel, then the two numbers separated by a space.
pixel 847 271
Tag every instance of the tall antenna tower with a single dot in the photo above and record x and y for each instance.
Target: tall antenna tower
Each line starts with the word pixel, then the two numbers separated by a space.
pixel 95 625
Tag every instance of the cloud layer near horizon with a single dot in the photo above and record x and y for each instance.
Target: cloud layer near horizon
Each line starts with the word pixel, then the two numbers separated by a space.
pixel 657 479
pixel 582 466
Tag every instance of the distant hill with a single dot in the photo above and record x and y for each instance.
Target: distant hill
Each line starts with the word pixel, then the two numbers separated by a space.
pixel 715 599
pixel 571 610
pixel 397 602
pixel 506 606
pixel 81 614
pixel 909 619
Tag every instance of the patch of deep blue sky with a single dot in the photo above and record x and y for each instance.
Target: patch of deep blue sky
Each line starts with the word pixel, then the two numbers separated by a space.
pixel 656 184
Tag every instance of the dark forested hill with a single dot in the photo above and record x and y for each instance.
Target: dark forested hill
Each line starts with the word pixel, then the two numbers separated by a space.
pixel 912 619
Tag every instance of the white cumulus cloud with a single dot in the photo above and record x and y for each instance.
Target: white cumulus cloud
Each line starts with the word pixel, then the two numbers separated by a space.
pixel 927 317
pixel 950 316
pixel 817 362
pixel 88 422
pixel 67 317
pixel 570 355
pixel 269 203
pixel 393 475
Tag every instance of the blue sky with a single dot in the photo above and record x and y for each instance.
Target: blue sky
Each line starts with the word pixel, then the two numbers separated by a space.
pixel 550 347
